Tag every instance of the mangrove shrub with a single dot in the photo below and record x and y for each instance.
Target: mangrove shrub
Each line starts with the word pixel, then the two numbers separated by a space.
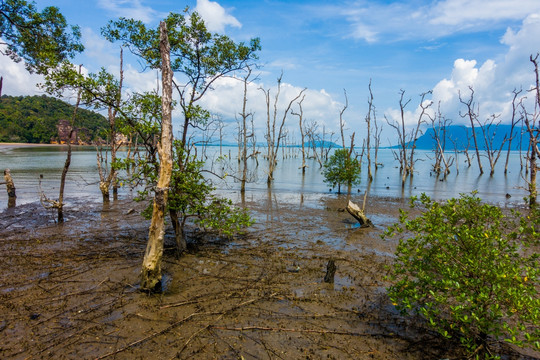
pixel 470 271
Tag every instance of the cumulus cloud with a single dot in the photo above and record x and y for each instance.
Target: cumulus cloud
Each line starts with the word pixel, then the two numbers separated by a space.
pixel 493 81
pixel 226 100
pixel 215 16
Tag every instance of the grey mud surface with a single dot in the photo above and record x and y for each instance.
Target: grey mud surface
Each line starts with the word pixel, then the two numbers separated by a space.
pixel 71 291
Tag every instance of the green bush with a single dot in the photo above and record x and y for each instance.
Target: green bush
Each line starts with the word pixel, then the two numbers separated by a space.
pixel 470 271
pixel 341 169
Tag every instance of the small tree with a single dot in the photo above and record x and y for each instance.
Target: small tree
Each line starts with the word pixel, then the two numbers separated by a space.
pixel 341 168
pixel 467 269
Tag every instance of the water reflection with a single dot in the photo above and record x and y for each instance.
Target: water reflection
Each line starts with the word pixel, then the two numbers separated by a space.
pixel 289 186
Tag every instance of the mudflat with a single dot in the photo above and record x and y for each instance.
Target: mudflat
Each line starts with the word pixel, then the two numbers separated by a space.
pixel 71 291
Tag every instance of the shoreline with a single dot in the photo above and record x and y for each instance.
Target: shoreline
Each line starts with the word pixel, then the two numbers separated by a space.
pixel 36 145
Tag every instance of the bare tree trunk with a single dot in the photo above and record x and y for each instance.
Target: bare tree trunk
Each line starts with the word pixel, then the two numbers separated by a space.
pixel 243 135
pixel 151 267
pixel 417 132
pixel 12 197
pixel 492 153
pixel 358 214
pixel 300 115
pixel 472 114
pixel 179 235
pixel 533 129
pixel 368 136
pixel 274 141
pixel 377 140
pixel 512 126
pixel 341 121
pixel 60 203
pixel 407 140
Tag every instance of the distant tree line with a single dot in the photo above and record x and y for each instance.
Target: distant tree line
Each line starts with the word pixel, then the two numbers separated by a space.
pixel 34 119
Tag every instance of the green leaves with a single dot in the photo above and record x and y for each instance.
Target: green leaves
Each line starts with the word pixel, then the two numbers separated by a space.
pixel 341 169
pixel 42 39
pixel 191 195
pixel 469 270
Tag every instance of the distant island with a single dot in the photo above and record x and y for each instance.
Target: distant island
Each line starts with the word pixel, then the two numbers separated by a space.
pixel 46 120
pixel 456 137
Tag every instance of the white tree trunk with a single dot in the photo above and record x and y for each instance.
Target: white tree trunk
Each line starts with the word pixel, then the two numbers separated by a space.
pixel 151 269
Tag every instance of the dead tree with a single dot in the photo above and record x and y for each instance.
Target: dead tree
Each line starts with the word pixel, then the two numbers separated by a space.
pixel 489 130
pixel 341 121
pixel 532 123
pixel 151 267
pixel 243 133
pixel 439 124
pixel 472 116
pixel 300 115
pixel 407 140
pixel 274 136
pixel 312 135
pixel 416 132
pixel 358 214
pixel 515 121
pixel 376 139
pixel 10 187
pixel 467 146
pixel 371 111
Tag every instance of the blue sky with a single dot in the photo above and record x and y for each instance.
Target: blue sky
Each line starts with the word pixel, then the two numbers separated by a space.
pixel 328 46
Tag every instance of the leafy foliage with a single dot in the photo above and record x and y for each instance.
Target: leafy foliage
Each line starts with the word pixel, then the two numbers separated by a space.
pixel 33 119
pixel 198 58
pixel 341 169
pixel 42 39
pixel 470 271
pixel 192 196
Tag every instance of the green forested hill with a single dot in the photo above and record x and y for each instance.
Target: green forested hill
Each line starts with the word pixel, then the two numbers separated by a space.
pixel 33 119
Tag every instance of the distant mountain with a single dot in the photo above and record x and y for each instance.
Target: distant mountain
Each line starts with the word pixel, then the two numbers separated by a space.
pixel 456 136
pixel 326 144
pixel 43 119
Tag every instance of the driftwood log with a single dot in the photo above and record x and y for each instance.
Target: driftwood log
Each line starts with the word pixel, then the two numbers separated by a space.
pixel 12 197
pixel 358 214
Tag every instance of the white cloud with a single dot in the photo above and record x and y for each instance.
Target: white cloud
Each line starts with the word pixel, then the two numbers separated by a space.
pixel 469 13
pixel 97 48
pixel 16 79
pixel 215 16
pixel 407 20
pixel 493 81
pixel 226 100
pixel 130 9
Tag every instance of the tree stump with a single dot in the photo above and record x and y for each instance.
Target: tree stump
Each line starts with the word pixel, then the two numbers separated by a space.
pixel 330 271
pixel 358 214
pixel 12 197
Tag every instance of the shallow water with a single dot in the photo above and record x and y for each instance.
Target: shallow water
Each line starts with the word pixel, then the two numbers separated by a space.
pixel 27 163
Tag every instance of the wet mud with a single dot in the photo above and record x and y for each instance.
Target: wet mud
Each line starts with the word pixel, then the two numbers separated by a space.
pixel 71 291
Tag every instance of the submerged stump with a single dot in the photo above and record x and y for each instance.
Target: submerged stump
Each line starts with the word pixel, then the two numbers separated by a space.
pixel 358 214
pixel 330 271
pixel 12 197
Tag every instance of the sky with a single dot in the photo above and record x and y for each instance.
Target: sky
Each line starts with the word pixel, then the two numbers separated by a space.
pixel 329 47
